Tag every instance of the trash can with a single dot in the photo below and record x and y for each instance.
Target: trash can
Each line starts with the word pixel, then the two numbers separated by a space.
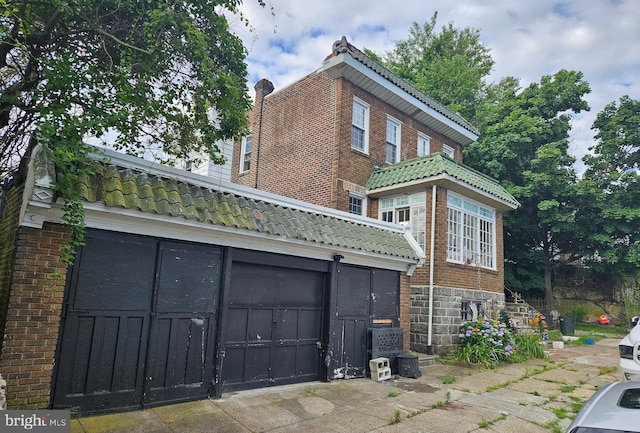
pixel 567 325
pixel 408 366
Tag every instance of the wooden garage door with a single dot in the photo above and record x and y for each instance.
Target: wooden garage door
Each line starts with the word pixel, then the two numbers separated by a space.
pixel 273 326
pixel 139 324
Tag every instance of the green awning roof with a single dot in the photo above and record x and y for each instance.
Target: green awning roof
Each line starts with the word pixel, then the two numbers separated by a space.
pixel 442 170
pixel 129 188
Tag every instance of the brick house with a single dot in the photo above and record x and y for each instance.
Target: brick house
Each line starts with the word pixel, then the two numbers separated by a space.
pixel 355 137
pixel 186 287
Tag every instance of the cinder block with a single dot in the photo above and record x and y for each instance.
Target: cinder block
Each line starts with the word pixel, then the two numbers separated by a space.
pixel 558 344
pixel 381 374
pixel 378 364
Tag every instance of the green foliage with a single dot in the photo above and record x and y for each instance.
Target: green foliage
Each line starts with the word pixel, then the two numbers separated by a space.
pixel 486 342
pixel 450 65
pixel 161 77
pixel 611 187
pixel 578 313
pixel 524 143
pixel 397 417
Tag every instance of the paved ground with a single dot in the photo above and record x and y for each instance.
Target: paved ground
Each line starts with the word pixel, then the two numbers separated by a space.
pixel 537 396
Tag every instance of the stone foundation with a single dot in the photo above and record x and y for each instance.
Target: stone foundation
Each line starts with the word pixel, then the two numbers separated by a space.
pixel 447 315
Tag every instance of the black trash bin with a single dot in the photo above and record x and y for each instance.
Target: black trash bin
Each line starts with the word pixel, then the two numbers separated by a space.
pixel 567 325
pixel 408 366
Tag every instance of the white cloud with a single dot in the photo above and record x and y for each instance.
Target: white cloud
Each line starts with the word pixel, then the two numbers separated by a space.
pixel 601 38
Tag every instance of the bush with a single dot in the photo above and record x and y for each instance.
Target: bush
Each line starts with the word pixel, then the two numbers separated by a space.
pixel 578 313
pixel 489 342
pixel 485 341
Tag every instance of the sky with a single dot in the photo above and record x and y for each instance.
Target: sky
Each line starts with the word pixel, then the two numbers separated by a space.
pixel 527 40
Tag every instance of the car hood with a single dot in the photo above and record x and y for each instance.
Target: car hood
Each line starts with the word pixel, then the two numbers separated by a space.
pixel 632 337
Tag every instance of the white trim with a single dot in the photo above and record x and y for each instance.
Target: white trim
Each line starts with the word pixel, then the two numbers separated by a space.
pixel 398 138
pixel 448 150
pixel 366 114
pixel 243 154
pixel 424 137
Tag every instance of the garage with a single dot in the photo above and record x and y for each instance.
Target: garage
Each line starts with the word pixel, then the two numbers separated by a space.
pixel 186 288
pixel 139 324
pixel 273 322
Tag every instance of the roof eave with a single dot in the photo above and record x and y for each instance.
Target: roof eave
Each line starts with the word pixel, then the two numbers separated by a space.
pixel 345 66
pixel 450 183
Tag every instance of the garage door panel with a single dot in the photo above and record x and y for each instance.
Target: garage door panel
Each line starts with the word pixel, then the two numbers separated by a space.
pixel 309 324
pixel 115 269
pixel 283 312
pixel 260 325
pixel 236 325
pixel 140 324
pixel 233 364
pixel 256 369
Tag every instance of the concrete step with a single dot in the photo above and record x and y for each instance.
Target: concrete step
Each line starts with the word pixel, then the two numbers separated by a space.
pixel 425 360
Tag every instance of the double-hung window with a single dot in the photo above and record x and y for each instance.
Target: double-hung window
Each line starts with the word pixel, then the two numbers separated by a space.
pixel 424 144
pixel 471 233
pixel 356 203
pixel 393 140
pixel 407 209
pixel 245 154
pixel 449 151
pixel 360 125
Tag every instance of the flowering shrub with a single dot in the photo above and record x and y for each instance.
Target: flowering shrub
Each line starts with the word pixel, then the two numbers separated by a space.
pixel 539 321
pixel 486 341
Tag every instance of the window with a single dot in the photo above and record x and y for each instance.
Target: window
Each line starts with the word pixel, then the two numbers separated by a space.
pixel 407 209
pixel 360 125
pixel 245 154
pixel 393 140
pixel 448 150
pixel 356 203
pixel 424 144
pixel 470 233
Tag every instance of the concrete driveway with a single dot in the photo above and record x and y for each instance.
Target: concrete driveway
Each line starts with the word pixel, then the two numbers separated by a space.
pixel 536 396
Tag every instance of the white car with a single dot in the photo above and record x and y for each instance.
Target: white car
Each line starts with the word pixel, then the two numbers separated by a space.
pixel 629 348
pixel 614 408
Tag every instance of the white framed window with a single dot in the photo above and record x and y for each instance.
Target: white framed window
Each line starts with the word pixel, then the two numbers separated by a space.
pixel 406 209
pixel 424 144
pixel 448 150
pixel 360 125
pixel 357 203
pixel 245 153
pixel 471 233
pixel 393 140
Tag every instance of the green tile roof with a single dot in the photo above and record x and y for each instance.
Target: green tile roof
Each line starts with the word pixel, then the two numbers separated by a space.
pixel 129 188
pixel 423 169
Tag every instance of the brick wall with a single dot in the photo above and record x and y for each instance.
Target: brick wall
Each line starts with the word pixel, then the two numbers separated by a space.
pixel 446 323
pixel 293 150
pixel 9 221
pixel 302 141
pixel 405 310
pixel 33 318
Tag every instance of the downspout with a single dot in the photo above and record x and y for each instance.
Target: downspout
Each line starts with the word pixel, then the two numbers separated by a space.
pixel 431 260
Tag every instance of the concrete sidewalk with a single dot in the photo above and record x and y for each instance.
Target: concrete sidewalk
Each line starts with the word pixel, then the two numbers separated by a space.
pixel 536 396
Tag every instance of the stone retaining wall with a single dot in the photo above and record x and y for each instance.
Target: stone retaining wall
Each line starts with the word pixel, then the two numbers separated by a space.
pixel 447 305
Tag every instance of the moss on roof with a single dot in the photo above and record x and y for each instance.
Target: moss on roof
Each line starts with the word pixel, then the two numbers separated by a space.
pixel 132 189
pixel 426 167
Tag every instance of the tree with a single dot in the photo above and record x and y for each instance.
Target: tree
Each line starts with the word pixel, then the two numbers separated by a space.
pixel 170 75
pixel 612 184
pixel 524 143
pixel 449 66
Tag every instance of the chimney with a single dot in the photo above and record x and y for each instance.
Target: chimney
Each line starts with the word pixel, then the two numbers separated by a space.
pixel 262 88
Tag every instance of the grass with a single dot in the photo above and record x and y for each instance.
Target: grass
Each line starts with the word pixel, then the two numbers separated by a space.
pixel 397 417
pixel 599 330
